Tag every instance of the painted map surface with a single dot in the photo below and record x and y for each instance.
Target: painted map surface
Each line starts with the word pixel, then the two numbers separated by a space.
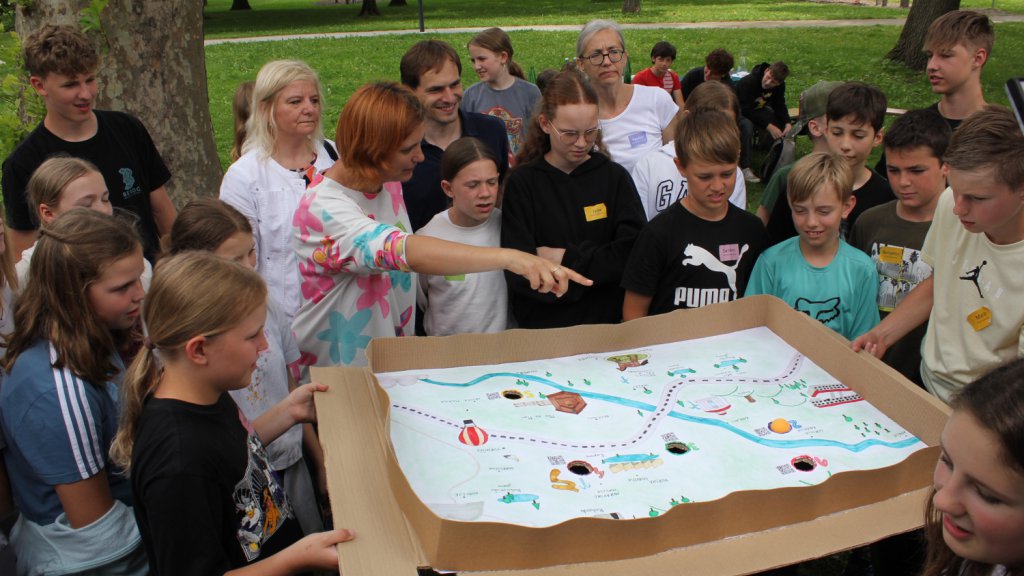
pixel 630 434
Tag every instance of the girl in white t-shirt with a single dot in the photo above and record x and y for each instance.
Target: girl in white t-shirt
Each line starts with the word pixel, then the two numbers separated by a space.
pixel 975 517
pixel 475 302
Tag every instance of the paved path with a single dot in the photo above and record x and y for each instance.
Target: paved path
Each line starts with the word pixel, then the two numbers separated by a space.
pixel 575 28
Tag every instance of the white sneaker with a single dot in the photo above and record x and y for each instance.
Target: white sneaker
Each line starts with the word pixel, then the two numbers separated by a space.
pixel 750 177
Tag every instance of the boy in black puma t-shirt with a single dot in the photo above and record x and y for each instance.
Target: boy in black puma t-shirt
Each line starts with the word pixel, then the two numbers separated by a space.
pixel 702 249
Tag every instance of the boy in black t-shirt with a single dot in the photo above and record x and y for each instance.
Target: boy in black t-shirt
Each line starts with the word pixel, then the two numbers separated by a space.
pixel 855 114
pixel 702 249
pixel 62 65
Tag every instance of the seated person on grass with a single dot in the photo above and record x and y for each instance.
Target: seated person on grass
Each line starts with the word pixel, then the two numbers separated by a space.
pixel 856 113
pixel 976 249
pixel 762 96
pixel 817 273
pixel 893 233
pixel 701 250
pixel 774 209
pixel 717 66
pixel 660 74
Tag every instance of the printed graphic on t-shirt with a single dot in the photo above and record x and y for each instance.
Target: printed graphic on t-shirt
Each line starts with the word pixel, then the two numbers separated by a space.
pixel 694 255
pixel 259 499
pixel 667 195
pixel 513 128
pixel 131 187
pixel 823 311
pixel 900 270
pixel 972 275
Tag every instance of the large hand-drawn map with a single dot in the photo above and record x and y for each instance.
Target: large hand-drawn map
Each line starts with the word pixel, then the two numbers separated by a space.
pixel 630 434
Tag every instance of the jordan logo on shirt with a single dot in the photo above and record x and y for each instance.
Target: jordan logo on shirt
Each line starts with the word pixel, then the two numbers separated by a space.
pixel 973 274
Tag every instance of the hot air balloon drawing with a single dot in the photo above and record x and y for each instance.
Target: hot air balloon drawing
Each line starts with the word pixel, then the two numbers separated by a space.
pixel 472 435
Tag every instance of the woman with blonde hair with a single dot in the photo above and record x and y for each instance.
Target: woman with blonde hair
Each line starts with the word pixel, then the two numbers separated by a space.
pixel 352 239
pixel 284 148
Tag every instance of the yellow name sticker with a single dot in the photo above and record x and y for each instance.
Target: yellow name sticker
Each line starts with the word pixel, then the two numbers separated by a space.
pixel 455 277
pixel 595 212
pixel 891 254
pixel 980 318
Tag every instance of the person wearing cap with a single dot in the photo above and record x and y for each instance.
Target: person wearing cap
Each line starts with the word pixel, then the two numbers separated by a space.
pixel 774 210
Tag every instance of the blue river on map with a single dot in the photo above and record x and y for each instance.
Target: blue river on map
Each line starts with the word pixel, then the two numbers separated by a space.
pixel 858 447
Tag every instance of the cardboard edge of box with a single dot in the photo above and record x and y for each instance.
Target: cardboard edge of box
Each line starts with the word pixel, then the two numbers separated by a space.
pixel 372 501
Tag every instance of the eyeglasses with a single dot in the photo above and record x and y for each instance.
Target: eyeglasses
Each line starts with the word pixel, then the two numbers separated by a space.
pixel 570 137
pixel 597 58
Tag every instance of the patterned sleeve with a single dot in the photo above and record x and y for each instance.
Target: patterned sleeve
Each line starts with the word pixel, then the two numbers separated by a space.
pixel 332 235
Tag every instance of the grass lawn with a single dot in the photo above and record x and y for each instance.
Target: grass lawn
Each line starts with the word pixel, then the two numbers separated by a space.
pixel 271 17
pixel 813 54
pixel 300 16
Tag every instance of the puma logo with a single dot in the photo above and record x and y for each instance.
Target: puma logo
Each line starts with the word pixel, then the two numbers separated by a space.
pixel 824 312
pixel 696 256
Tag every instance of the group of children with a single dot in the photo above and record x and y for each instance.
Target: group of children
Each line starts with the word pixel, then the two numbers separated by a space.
pixel 165 418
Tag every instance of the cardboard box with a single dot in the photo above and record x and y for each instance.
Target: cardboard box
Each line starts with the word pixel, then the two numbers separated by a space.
pixel 741 533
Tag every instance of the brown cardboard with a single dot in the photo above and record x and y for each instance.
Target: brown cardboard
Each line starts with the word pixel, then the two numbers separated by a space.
pixel 369 493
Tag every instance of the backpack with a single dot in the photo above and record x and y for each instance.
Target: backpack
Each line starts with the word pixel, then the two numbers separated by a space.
pixel 781 153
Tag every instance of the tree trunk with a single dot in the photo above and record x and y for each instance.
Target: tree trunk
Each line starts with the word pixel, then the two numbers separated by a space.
pixel 369 8
pixel 398 3
pixel 909 47
pixel 152 65
pixel 240 5
pixel 631 6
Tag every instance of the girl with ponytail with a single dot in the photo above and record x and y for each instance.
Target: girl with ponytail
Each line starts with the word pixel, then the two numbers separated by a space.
pixel 502 90
pixel 206 498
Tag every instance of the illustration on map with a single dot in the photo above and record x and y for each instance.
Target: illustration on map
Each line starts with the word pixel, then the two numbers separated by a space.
pixel 632 433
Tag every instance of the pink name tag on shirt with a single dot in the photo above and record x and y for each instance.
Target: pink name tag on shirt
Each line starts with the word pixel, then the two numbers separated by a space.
pixel 728 252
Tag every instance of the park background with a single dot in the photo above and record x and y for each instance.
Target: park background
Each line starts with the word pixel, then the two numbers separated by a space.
pixel 835 40
pixel 234 44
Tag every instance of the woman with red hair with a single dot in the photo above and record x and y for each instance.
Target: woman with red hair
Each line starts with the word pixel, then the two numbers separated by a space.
pixel 351 236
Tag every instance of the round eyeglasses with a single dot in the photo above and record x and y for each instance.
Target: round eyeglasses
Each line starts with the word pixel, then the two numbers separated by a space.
pixel 614 55
pixel 570 137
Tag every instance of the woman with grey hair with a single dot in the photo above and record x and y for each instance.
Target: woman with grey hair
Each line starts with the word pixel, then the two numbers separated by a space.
pixel 635 120
pixel 283 149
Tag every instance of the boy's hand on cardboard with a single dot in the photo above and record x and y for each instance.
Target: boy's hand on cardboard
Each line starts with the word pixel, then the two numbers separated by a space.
pixel 870 342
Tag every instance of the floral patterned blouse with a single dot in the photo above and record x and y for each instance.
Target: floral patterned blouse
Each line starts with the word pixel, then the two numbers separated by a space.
pixel 356 284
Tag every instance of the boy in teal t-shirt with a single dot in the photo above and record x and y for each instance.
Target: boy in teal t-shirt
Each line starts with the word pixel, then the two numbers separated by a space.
pixel 817 273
